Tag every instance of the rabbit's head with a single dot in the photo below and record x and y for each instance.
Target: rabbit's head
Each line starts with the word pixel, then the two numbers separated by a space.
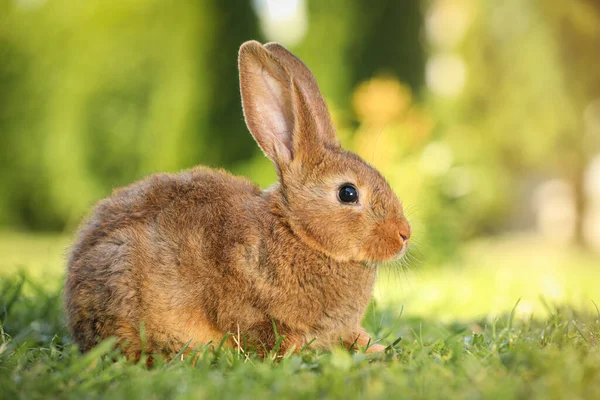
pixel 331 199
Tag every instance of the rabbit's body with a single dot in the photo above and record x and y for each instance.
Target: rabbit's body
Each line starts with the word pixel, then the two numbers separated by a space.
pixel 199 254
pixel 191 257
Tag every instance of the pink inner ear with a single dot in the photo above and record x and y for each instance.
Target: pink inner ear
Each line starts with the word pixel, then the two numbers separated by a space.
pixel 276 113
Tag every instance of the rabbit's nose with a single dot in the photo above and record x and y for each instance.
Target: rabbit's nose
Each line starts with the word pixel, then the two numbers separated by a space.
pixel 404 230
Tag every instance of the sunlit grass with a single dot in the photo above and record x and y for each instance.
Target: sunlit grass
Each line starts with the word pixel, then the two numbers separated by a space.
pixel 452 333
pixel 491 276
pixel 41 256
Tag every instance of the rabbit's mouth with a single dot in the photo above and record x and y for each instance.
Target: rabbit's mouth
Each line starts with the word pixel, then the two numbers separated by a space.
pixel 386 242
pixel 402 251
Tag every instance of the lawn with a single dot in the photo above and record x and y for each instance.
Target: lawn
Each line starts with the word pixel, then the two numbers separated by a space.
pixel 511 318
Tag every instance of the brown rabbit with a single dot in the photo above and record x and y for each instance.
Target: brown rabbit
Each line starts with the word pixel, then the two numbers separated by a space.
pixel 195 255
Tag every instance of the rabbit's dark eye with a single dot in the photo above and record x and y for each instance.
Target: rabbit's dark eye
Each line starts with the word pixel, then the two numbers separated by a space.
pixel 348 194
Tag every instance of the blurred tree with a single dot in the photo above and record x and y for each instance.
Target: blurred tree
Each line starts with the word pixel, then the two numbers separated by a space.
pixel 324 48
pixel 97 95
pixel 386 39
pixel 349 43
pixel 234 23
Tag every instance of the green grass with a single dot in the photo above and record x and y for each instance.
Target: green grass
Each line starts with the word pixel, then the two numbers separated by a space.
pixel 546 346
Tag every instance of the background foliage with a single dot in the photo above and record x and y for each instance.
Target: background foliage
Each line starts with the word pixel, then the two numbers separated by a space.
pixel 462 104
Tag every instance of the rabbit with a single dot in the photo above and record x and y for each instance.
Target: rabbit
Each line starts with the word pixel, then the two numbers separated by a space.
pixel 188 258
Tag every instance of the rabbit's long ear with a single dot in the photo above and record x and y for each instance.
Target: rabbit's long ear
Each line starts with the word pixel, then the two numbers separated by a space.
pixel 308 85
pixel 277 110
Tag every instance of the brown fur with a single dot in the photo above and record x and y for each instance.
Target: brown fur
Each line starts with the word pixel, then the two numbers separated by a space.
pixel 195 255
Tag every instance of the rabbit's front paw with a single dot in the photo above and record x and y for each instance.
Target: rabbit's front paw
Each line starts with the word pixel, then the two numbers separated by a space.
pixel 375 348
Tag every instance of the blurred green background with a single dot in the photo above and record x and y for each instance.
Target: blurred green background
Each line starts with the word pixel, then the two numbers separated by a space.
pixel 484 115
